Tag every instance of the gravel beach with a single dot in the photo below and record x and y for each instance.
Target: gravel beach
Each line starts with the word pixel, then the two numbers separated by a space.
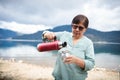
pixel 19 70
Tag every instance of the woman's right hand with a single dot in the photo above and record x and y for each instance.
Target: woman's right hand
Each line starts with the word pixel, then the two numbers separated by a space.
pixel 49 35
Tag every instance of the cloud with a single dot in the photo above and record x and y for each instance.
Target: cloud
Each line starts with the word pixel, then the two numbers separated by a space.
pixel 103 18
pixel 37 11
pixel 103 14
pixel 22 28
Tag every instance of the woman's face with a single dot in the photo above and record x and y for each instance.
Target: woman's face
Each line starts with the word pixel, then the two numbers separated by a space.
pixel 78 30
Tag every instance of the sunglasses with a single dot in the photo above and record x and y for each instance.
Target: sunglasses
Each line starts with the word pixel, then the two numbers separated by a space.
pixel 74 26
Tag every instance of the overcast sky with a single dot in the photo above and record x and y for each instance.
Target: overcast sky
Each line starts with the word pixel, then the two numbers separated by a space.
pixel 29 16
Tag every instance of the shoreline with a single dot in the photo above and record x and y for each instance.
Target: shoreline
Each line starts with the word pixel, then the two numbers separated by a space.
pixel 20 70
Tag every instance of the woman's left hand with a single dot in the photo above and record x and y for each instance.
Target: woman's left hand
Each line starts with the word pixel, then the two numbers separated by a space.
pixel 73 59
pixel 70 59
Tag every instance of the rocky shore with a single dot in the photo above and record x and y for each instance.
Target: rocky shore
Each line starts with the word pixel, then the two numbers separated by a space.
pixel 19 70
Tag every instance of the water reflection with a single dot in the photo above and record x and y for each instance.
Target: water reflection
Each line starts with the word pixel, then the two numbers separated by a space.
pixel 108 60
pixel 99 47
pixel 28 54
pixel 107 48
pixel 107 55
pixel 22 51
pixel 7 43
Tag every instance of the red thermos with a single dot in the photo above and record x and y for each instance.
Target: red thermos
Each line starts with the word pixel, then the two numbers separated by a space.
pixel 48 46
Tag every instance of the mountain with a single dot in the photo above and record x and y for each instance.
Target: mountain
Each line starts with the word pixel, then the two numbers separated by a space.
pixel 4 33
pixel 93 34
pixel 35 36
pixel 38 35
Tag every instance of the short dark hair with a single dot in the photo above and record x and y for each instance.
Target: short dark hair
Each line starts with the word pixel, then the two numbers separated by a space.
pixel 81 19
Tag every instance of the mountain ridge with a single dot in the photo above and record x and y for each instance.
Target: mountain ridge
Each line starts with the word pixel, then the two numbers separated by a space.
pixel 94 35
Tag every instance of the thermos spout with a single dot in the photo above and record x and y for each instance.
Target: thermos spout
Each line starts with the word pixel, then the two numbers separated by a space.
pixel 62 44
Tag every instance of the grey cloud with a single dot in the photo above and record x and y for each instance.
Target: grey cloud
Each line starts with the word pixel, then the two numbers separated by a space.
pixel 26 10
pixel 47 11
pixel 109 3
pixel 112 3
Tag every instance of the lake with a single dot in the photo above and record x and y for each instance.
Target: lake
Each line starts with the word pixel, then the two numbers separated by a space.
pixel 107 55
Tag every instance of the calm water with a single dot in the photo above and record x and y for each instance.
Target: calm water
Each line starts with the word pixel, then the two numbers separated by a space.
pixel 107 55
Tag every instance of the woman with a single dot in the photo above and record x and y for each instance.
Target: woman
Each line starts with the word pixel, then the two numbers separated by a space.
pixel 81 51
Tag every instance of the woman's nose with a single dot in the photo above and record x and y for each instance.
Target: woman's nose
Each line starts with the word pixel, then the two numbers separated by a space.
pixel 77 29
